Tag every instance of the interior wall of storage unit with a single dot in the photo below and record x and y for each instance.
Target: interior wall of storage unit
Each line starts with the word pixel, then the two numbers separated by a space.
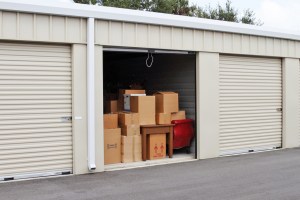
pixel 169 72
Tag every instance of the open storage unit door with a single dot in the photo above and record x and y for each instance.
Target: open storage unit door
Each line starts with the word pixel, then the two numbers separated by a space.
pixel 35 111
pixel 153 71
pixel 250 104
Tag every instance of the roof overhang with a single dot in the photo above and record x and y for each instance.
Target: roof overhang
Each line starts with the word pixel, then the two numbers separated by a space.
pixel 126 15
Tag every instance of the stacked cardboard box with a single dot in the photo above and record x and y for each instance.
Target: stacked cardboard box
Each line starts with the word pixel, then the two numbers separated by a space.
pixel 167 107
pixel 112 139
pixel 123 92
pixel 145 106
pixel 131 149
pixel 111 106
pixel 156 146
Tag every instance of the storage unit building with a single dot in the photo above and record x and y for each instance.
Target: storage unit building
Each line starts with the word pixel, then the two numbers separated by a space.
pixel 51 83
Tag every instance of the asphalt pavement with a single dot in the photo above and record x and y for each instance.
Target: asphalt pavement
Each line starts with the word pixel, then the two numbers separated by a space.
pixel 262 176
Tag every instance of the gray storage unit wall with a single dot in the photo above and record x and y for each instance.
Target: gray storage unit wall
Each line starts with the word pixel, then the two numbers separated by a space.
pixel 35 96
pixel 250 104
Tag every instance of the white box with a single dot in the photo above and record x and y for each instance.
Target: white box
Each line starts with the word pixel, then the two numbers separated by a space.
pixel 127 100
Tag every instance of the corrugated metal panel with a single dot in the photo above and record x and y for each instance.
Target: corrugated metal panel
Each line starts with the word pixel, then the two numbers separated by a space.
pixel 125 34
pixel 46 28
pixel 35 93
pixel 250 94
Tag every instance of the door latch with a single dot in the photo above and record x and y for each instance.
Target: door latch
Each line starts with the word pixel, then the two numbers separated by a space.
pixel 66 119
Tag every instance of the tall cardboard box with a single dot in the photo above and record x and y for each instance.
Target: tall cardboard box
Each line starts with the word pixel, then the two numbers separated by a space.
pixel 178 115
pixel 127 146
pixel 130 130
pixel 111 106
pixel 126 91
pixel 145 106
pixel 163 118
pixel 127 100
pixel 112 146
pixel 137 148
pixel 166 102
pixel 156 146
pixel 110 121
pixel 128 118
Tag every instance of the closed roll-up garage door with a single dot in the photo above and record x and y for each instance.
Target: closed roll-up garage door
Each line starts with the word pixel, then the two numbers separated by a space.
pixel 35 110
pixel 250 104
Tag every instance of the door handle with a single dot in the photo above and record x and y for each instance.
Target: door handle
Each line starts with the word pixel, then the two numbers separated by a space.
pixel 66 119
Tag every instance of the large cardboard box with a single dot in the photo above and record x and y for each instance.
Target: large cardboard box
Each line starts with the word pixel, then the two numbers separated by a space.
pixel 156 146
pixel 127 149
pixel 145 106
pixel 130 130
pixel 131 148
pixel 166 102
pixel 137 149
pixel 128 118
pixel 111 106
pixel 112 146
pixel 163 118
pixel 126 91
pixel 178 115
pixel 110 121
pixel 127 100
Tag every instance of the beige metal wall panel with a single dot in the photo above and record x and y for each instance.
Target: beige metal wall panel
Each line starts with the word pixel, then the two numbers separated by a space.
pixel 141 35
pixel 125 34
pixel 129 33
pixel 250 96
pixel 166 37
pixel 44 28
pixel 79 108
pixel 291 91
pixel 99 109
pixel 35 96
pixel 207 66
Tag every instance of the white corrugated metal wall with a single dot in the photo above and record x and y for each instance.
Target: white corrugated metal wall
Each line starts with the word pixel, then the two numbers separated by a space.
pixel 250 104
pixel 35 96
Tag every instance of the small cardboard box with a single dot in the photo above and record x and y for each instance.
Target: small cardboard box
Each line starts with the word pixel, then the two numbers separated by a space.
pixel 163 118
pixel 112 146
pixel 130 130
pixel 178 115
pixel 127 100
pixel 111 106
pixel 166 102
pixel 156 146
pixel 126 91
pixel 145 106
pixel 137 149
pixel 127 149
pixel 110 121
pixel 128 118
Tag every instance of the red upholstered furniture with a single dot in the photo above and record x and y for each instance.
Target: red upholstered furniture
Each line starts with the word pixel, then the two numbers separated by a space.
pixel 183 133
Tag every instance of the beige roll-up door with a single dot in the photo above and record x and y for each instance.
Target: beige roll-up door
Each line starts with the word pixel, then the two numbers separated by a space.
pixel 35 110
pixel 250 104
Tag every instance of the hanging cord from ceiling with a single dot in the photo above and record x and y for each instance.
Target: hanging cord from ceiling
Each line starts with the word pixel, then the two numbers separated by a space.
pixel 150 56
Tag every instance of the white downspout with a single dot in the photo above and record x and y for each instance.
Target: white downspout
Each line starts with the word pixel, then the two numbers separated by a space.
pixel 91 94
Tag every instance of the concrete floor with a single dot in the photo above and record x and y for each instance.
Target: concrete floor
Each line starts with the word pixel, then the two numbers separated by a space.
pixel 270 175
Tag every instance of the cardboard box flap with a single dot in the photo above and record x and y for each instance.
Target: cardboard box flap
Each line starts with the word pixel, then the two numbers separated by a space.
pixel 165 92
